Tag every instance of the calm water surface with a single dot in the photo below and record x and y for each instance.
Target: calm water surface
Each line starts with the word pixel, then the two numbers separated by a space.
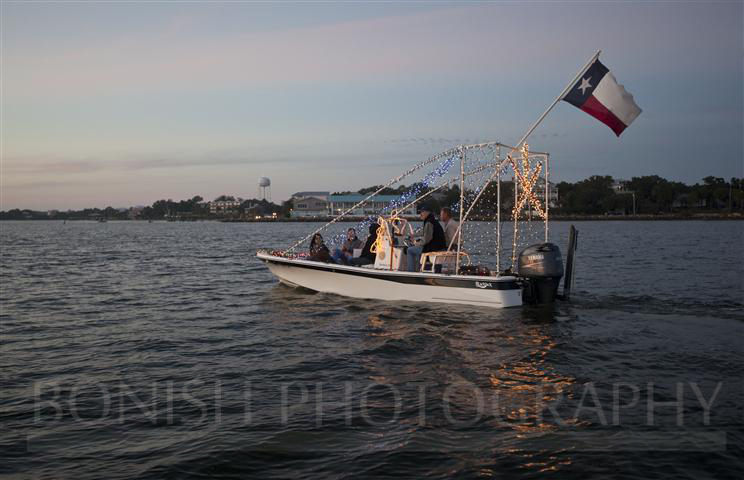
pixel 165 350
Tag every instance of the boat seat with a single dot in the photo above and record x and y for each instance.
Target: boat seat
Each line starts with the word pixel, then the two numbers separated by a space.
pixel 447 260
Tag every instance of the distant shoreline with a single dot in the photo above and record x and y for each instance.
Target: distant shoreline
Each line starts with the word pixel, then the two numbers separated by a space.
pixel 572 218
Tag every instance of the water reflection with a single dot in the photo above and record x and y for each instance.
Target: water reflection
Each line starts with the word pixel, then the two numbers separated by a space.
pixel 485 374
pixel 484 379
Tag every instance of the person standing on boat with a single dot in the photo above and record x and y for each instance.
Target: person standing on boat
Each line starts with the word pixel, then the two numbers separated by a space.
pixel 346 252
pixel 367 256
pixel 433 238
pixel 449 225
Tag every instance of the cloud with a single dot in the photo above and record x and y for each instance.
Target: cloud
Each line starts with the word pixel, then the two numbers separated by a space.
pixel 46 184
pixel 443 42
pixel 19 166
pixel 39 165
pixel 446 142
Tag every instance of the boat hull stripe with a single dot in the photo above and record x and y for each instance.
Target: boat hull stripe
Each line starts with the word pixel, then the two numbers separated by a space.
pixel 488 283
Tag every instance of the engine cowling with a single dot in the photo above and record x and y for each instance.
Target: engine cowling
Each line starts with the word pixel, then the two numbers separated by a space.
pixel 541 268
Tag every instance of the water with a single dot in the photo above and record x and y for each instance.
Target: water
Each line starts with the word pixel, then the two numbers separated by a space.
pixel 165 350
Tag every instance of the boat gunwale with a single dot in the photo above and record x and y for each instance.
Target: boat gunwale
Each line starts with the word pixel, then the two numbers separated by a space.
pixel 374 271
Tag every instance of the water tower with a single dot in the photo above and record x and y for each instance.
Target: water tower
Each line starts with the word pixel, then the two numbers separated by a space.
pixel 264 188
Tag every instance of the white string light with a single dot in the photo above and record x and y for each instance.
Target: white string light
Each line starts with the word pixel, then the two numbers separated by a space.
pixel 481 162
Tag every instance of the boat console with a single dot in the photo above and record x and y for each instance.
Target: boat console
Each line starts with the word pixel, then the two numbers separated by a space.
pixel 393 236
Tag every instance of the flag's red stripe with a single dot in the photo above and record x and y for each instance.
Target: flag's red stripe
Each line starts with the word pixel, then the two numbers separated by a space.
pixel 601 113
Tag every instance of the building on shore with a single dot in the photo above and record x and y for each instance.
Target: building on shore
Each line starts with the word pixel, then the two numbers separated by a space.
pixel 321 195
pixel 539 190
pixel 341 203
pixel 323 204
pixel 620 186
pixel 135 212
pixel 224 206
pixel 552 192
pixel 310 206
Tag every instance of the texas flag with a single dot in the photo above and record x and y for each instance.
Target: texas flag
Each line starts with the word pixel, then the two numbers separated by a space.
pixel 598 94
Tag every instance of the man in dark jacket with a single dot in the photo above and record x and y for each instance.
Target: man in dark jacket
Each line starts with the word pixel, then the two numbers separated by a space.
pixel 367 256
pixel 433 238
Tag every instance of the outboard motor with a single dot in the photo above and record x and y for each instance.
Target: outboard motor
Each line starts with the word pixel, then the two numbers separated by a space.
pixel 541 268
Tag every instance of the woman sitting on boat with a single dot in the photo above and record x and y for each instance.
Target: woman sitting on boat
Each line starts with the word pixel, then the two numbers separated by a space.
pixel 318 250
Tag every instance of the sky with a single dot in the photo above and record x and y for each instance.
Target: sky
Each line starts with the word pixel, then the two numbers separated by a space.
pixel 124 103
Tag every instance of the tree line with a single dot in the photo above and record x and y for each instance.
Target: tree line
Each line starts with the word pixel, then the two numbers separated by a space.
pixel 651 194
pixel 596 195
pixel 602 194
pixel 194 208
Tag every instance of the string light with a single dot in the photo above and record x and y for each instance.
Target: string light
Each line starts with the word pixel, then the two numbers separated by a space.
pixel 447 153
pixel 525 179
pixel 479 162
pixel 413 192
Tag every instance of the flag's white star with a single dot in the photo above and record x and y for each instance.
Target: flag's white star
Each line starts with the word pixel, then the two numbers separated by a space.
pixel 584 85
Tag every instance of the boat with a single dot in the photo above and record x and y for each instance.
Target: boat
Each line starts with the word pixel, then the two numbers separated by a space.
pixel 370 282
pixel 446 276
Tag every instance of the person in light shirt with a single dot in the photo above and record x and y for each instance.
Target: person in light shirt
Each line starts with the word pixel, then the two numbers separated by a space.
pixel 449 225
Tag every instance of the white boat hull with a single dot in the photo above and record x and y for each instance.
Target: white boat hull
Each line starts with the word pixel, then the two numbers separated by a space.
pixel 362 282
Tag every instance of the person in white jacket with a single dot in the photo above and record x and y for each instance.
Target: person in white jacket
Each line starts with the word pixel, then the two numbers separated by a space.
pixel 449 225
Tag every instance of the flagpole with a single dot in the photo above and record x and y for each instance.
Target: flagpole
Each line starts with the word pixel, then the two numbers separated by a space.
pixel 547 111
pixel 527 134
pixel 558 99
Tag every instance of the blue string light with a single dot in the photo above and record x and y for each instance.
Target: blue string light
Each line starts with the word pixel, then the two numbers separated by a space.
pixel 404 199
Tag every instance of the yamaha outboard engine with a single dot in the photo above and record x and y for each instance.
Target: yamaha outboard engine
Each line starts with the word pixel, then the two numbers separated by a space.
pixel 541 268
